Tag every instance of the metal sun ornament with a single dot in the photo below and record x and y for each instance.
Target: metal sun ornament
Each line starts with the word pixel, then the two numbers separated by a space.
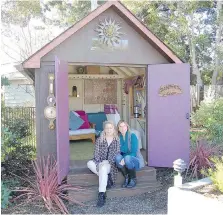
pixel 109 33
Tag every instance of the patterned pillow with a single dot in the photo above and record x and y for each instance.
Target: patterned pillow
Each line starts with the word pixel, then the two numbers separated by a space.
pixel 75 121
pixel 84 117
pixel 110 109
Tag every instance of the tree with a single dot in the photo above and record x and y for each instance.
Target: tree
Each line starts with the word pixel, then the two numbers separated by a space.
pixel 29 25
pixel 4 81
pixel 186 27
pixel 68 13
pixel 23 31
pixel 153 14
pixel 193 30
pixel 218 63
pixel 20 12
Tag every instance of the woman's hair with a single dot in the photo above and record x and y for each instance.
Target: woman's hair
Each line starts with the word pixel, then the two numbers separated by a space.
pixel 120 122
pixel 103 134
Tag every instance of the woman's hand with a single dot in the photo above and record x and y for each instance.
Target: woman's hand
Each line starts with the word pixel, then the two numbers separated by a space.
pixel 103 163
pixel 122 162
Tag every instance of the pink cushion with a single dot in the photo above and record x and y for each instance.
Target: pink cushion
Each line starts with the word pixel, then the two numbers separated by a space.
pixel 80 112
pixel 83 116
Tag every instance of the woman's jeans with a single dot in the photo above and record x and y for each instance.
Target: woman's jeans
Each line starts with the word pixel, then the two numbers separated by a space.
pixel 131 162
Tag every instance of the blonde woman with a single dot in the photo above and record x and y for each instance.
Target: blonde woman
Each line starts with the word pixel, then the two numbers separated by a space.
pixel 130 159
pixel 107 147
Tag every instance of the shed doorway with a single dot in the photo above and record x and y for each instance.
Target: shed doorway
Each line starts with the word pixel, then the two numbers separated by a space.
pixel 98 93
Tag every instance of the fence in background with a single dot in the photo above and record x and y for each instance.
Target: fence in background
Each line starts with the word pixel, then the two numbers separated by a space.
pixel 29 113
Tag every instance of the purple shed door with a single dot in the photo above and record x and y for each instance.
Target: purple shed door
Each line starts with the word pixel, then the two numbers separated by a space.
pixel 168 117
pixel 62 120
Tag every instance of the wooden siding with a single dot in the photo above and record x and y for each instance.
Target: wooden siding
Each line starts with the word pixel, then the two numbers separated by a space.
pixel 46 138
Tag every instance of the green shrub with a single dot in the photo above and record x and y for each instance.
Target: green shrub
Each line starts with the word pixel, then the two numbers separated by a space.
pixel 19 159
pixel 12 183
pixel 216 173
pixel 19 127
pixel 5 196
pixel 209 117
pixel 16 156
pixel 196 135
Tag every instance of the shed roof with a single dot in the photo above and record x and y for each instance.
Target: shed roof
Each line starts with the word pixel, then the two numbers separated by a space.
pixel 34 60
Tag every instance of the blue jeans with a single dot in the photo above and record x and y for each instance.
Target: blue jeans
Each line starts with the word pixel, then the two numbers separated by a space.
pixel 131 162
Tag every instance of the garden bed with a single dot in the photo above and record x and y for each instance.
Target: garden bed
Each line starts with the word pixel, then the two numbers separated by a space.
pixel 210 192
pixel 148 203
pixel 22 207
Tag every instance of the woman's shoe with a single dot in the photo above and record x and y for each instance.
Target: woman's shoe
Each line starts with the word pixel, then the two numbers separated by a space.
pixel 101 199
pixel 132 183
pixel 132 178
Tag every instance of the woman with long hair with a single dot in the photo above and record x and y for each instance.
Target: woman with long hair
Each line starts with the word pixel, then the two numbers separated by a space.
pixel 107 147
pixel 130 158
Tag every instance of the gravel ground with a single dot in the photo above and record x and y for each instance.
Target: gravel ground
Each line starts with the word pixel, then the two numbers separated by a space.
pixel 149 203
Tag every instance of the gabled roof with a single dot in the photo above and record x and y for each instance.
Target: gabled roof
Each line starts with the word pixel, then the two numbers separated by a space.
pixel 34 60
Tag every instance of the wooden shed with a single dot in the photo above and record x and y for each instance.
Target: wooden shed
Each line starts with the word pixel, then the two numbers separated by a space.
pixel 110 59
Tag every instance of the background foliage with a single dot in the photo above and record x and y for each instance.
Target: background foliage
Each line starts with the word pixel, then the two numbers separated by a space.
pixel 192 29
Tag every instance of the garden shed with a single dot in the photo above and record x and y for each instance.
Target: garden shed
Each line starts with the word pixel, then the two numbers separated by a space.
pixel 109 61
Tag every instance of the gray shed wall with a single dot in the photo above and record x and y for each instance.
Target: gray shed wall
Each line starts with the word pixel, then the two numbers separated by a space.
pixel 46 138
pixel 77 48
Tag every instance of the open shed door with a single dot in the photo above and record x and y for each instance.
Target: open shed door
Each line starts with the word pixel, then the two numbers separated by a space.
pixel 62 118
pixel 168 121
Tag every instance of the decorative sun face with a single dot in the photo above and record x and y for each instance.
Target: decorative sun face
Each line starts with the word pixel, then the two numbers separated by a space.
pixel 109 33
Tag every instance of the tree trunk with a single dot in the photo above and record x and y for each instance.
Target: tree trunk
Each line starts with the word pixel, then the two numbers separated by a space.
pixel 219 26
pixel 195 68
pixel 94 4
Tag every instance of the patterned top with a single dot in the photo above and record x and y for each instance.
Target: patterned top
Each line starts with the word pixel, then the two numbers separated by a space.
pixel 104 152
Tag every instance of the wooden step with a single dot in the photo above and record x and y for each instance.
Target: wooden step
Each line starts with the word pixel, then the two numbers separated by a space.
pixel 91 192
pixel 78 164
pixel 84 177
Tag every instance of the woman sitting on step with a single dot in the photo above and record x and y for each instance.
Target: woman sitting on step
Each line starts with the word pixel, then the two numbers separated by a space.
pixel 130 159
pixel 107 146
